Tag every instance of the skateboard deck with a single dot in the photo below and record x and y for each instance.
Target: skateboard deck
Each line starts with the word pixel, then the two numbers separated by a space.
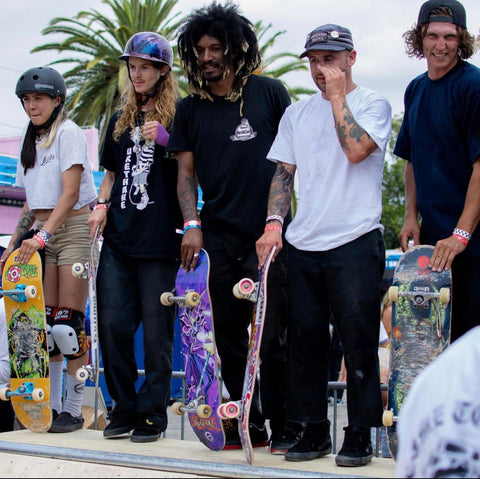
pixel 256 292
pixel 88 271
pixel 203 391
pixel 29 388
pixel 420 327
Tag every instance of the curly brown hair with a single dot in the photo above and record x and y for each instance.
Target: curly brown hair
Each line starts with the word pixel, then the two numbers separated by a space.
pixel 165 105
pixel 414 37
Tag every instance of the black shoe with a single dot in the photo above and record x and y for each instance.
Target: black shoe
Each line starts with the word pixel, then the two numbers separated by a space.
pixel 119 426
pixel 284 438
pixel 258 435
pixel 357 447
pixel 65 422
pixel 146 430
pixel 315 442
pixel 232 438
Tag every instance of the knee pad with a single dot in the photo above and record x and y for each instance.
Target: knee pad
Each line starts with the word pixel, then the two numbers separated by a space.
pixel 68 332
pixel 50 315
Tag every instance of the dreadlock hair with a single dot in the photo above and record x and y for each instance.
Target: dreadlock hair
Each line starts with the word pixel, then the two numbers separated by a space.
pixel 234 32
pixel 129 104
pixel 414 37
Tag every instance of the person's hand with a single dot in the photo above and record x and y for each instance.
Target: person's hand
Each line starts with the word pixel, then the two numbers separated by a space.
pixel 192 243
pixel 445 252
pixel 264 245
pixel 97 219
pixel 410 230
pixel 27 248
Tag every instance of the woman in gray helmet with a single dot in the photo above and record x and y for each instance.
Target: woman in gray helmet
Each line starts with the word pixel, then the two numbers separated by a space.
pixel 138 213
pixel 59 186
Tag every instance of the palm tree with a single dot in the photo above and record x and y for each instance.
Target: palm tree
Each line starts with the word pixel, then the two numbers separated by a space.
pixel 267 68
pixel 97 41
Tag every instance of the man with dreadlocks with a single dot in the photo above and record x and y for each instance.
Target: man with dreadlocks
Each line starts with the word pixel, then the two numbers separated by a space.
pixel 139 210
pixel 221 135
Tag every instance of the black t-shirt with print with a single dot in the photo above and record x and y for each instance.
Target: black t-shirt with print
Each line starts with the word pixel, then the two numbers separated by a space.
pixel 144 211
pixel 230 142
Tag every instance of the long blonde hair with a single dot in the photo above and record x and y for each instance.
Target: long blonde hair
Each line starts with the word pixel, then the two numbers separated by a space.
pixel 164 111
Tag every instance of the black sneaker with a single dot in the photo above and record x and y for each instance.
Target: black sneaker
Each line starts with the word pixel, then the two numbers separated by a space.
pixel 146 430
pixel 119 426
pixel 258 435
pixel 232 438
pixel 314 442
pixel 283 439
pixel 65 422
pixel 357 447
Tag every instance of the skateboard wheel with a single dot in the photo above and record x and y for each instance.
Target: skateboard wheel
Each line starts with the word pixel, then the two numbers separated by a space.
pixel 166 299
pixel 204 411
pixel 387 418
pixel 230 410
pixel 221 412
pixel 82 374
pixel 78 269
pixel 444 295
pixel 393 293
pixel 4 394
pixel 176 408
pixel 30 292
pixel 38 394
pixel 192 298
pixel 243 288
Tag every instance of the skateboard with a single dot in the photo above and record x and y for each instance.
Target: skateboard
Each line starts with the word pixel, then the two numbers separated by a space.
pixel 29 388
pixel 202 378
pixel 420 327
pixel 89 271
pixel 257 292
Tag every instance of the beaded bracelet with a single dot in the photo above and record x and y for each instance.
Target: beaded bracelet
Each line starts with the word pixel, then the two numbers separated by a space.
pixel 272 227
pixel 275 218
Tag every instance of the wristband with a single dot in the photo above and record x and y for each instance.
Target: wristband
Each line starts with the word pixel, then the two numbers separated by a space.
pixel 162 135
pixel 102 201
pixel 192 223
pixel 461 239
pixel 100 206
pixel 39 240
pixel 43 235
pixel 272 228
pixel 462 233
pixel 275 218
pixel 191 226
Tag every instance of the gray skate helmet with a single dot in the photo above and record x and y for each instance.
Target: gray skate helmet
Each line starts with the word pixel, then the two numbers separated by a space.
pixel 41 80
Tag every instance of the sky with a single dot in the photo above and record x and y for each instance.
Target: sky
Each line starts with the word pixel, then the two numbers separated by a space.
pixel 377 27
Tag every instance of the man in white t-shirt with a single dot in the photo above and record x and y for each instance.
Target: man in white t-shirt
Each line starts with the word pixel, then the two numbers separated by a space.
pixel 335 142
pixel 439 424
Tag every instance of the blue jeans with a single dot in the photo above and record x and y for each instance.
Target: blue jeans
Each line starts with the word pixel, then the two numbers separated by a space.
pixel 344 282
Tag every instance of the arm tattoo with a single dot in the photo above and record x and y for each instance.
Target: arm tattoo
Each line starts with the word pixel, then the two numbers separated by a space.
pixel 25 222
pixel 187 198
pixel 356 131
pixel 280 191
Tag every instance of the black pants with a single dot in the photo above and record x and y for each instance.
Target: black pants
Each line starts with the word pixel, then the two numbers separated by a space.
pixel 344 281
pixel 231 260
pixel 129 293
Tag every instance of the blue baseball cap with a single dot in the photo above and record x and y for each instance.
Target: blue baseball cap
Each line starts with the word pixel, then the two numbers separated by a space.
pixel 328 37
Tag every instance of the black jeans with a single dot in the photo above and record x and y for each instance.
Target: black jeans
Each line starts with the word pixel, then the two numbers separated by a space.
pixel 344 281
pixel 231 260
pixel 129 293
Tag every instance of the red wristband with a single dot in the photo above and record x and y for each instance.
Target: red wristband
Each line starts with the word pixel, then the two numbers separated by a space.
pixel 100 206
pixel 272 227
pixel 461 239
pixel 192 223
pixel 39 241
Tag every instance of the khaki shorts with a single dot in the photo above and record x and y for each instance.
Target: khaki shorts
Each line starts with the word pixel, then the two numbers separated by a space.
pixel 70 243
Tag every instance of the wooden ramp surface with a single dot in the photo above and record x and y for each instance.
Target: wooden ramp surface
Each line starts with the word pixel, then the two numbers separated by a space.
pixel 85 453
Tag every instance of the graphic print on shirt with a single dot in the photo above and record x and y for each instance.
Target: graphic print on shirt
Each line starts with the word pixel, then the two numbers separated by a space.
pixel 138 194
pixel 243 132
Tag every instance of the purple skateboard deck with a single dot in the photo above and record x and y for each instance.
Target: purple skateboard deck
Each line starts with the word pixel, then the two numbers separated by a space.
pixel 259 296
pixel 420 327
pixel 199 353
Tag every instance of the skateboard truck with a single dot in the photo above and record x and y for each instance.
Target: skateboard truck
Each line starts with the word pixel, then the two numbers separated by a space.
pixel 25 390
pixel 189 299
pixel 246 288
pixel 21 294
pixel 389 418
pixel 421 297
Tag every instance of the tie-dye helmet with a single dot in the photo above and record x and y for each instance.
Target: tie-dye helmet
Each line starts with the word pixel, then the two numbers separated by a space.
pixel 149 46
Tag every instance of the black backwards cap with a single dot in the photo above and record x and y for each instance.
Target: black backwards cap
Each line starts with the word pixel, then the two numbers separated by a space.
pixel 328 37
pixel 458 11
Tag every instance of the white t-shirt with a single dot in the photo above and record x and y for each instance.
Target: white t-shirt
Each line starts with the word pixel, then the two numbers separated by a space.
pixel 43 183
pixel 337 201
pixel 4 364
pixel 439 424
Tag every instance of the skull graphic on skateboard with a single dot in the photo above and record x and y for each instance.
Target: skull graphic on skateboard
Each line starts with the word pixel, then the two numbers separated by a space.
pixel 29 389
pixel 420 327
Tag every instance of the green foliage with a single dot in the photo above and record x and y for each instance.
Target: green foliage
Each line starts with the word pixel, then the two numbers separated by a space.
pixel 393 189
